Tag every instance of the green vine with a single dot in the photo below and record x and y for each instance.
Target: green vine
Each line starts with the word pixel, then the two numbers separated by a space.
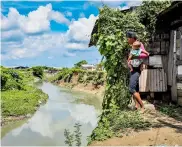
pixel 110 38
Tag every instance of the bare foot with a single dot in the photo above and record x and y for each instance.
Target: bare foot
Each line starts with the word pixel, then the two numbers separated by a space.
pixel 142 110
pixel 136 107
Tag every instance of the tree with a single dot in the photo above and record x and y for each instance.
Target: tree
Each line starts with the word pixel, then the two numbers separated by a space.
pixel 79 64
pixel 38 71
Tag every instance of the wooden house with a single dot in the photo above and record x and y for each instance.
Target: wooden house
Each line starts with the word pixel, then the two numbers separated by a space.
pixel 163 77
pixel 164 74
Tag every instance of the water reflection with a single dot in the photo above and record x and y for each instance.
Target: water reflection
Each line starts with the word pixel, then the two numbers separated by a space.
pixel 47 125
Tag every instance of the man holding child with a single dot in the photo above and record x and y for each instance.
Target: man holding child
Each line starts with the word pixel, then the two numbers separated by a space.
pixel 135 61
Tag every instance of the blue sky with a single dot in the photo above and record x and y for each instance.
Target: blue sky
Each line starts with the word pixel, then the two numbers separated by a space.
pixel 51 33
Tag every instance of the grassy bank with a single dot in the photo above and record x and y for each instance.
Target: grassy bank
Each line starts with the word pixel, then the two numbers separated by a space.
pixel 19 98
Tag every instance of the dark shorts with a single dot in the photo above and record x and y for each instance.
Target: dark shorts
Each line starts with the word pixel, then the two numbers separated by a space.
pixel 134 82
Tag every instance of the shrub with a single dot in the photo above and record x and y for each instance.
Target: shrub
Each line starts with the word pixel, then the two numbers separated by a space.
pixel 38 71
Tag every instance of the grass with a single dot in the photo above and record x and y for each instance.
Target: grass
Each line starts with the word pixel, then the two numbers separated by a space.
pixel 21 102
pixel 117 123
pixel 18 95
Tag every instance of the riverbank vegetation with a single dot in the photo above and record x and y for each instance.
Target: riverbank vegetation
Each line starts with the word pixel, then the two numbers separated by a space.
pixel 68 75
pixel 110 37
pixel 18 95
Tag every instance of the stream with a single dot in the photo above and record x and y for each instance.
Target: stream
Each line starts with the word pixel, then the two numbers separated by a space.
pixel 62 110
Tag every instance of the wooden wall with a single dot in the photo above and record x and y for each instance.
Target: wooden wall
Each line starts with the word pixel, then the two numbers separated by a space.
pixel 179 64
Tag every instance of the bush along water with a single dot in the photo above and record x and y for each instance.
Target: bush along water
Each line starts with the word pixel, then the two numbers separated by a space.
pixel 110 38
pixel 18 97
pixel 67 74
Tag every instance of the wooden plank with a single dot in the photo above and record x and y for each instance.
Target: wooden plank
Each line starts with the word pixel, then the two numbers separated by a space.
pixel 167 46
pixel 161 80
pixel 174 46
pixel 179 67
pixel 163 46
pixel 164 63
pixel 148 80
pixel 170 59
pixel 179 86
pixel 153 81
pixel 155 61
pixel 165 81
pixel 157 80
pixel 179 62
pixel 174 72
pixel 145 80
pixel 140 82
pixel 180 43
pixel 155 75
pixel 179 92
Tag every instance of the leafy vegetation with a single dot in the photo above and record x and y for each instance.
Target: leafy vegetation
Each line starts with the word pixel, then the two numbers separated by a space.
pixel 94 77
pixel 21 102
pixel 38 71
pixel 147 14
pixel 18 97
pixel 73 137
pixel 111 40
pixel 79 64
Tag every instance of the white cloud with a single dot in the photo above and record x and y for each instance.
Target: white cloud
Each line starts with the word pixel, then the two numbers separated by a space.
pixel 58 17
pixel 80 30
pixel 36 22
pixel 67 54
pixel 11 21
pixel 76 45
pixel 12 35
pixel 17 41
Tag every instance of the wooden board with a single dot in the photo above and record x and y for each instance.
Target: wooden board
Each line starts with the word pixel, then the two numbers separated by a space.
pixel 179 67
pixel 170 59
pixel 155 61
pixel 180 43
pixel 174 73
pixel 153 80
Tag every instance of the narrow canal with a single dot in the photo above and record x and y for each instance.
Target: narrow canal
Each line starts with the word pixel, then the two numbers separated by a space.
pixel 46 127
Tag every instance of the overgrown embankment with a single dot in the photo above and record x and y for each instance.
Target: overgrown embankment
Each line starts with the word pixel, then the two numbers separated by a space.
pixel 19 98
pixel 110 37
pixel 81 80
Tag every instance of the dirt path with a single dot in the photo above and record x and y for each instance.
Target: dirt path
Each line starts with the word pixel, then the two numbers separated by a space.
pixel 165 131
pixel 152 137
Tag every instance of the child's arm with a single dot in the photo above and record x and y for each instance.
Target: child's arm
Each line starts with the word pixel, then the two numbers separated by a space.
pixel 130 57
pixel 145 52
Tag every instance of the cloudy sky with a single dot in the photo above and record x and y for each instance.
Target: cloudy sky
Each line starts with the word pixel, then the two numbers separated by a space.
pixel 51 33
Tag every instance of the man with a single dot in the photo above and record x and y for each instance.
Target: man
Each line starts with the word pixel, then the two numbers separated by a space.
pixel 134 76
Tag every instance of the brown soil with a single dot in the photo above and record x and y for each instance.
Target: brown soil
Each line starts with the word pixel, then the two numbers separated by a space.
pixel 88 88
pixel 165 131
pixel 154 136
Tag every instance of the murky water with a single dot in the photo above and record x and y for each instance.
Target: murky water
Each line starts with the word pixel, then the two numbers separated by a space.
pixel 62 110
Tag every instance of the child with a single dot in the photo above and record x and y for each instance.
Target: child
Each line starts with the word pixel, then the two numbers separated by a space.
pixel 134 59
